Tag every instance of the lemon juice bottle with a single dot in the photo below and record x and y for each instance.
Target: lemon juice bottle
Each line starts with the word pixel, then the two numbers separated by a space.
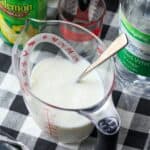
pixel 13 14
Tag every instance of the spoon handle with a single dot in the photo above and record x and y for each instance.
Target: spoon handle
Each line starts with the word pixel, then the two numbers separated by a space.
pixel 115 46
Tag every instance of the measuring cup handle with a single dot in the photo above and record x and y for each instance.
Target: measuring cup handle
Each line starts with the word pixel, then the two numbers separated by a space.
pixel 107 121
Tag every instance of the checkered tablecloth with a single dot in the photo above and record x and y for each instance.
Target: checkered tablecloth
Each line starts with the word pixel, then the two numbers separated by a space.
pixel 17 122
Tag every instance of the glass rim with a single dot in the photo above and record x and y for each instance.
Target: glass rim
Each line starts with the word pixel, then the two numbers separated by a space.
pixel 65 22
pixel 27 89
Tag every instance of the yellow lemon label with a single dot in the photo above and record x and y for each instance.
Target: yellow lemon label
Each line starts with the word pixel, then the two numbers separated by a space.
pixel 13 14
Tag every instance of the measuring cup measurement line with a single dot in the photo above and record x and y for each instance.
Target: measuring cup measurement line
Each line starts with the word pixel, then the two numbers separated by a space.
pixel 115 46
pixel 67 49
pixel 33 42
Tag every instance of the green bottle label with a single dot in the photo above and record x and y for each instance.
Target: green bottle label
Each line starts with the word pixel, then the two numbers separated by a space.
pixel 135 56
pixel 133 63
pixel 13 14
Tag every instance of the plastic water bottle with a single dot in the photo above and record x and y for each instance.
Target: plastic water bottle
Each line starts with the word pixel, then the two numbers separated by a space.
pixel 133 61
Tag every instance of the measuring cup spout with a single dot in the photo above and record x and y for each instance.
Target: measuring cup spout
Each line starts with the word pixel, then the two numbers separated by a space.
pixel 107 121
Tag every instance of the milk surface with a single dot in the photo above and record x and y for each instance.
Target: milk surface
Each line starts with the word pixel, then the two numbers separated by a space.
pixel 53 80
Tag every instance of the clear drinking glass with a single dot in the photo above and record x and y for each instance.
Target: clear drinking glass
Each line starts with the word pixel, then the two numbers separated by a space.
pixel 87 13
pixel 50 41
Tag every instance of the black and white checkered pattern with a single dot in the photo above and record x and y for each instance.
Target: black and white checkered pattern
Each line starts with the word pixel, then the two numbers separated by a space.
pixel 16 120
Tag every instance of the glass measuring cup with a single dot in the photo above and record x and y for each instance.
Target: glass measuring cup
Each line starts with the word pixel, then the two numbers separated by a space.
pixel 65 124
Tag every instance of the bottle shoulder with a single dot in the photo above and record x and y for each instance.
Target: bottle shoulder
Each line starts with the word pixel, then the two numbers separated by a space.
pixel 137 14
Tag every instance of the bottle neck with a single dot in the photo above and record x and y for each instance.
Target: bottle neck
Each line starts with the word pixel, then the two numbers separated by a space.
pixel 133 30
pixel 137 13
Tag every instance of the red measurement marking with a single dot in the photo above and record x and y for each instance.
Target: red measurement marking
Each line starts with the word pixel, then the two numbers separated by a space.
pixel 70 50
pixel 25 53
pixel 72 54
pixel 24 73
pixel 75 58
pixel 24 63
pixel 31 43
pixel 99 50
pixel 61 44
pixel 25 84
pixel 45 37
pixel 52 129
pixel 54 39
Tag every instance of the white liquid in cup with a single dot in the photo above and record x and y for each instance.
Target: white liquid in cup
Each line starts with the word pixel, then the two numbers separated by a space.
pixel 53 80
